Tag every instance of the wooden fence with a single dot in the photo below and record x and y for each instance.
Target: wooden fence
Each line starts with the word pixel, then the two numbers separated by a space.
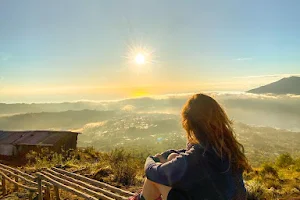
pixel 55 179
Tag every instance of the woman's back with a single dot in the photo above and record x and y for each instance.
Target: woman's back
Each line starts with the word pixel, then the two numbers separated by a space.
pixel 199 173
pixel 211 168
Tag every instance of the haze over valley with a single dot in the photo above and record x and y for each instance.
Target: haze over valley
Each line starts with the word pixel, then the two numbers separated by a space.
pixel 266 125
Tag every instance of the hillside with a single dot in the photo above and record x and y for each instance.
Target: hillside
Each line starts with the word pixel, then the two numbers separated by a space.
pixel 288 85
pixel 22 108
pixel 124 168
pixel 53 120
pixel 106 130
pixel 261 143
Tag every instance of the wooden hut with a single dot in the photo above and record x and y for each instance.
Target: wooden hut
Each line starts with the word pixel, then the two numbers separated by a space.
pixel 15 144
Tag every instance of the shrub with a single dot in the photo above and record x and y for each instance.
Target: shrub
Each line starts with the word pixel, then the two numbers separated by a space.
pixel 46 158
pixel 255 191
pixel 124 165
pixel 271 183
pixel 91 152
pixel 284 160
pixel 267 169
pixel 102 173
pixel 297 165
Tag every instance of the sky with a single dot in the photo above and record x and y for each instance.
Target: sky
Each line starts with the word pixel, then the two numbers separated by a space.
pixel 70 50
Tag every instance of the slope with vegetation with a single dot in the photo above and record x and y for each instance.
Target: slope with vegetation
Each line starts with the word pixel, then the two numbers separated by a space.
pixel 123 168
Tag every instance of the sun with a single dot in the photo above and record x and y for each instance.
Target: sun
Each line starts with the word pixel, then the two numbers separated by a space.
pixel 139 59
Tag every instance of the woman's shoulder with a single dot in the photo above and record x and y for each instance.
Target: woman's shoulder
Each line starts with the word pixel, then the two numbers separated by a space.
pixel 195 146
pixel 199 148
pixel 209 156
pixel 197 151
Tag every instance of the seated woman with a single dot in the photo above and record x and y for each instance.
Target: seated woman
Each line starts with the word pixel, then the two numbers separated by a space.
pixel 211 166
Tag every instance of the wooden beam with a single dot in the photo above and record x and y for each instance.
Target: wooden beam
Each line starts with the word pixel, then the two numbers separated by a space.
pixel 78 187
pixel 17 171
pixel 18 176
pixel 65 187
pixel 94 182
pixel 40 189
pixel 3 185
pixel 48 193
pixel 56 191
pixel 16 186
pixel 19 184
pixel 88 186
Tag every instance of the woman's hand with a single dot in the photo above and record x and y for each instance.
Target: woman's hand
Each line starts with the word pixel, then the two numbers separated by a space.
pixel 161 158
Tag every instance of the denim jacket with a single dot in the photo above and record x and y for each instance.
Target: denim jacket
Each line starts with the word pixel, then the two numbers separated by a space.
pixel 198 172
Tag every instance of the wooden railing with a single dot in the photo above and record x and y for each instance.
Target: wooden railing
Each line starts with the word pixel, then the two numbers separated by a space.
pixel 47 180
pixel 18 178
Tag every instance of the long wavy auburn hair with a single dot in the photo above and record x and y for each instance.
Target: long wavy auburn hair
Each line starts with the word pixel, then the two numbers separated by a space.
pixel 205 122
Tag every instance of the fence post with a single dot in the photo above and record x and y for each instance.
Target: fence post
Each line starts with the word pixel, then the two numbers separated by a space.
pixel 56 193
pixel 40 191
pixel 16 186
pixel 3 186
pixel 30 195
pixel 47 193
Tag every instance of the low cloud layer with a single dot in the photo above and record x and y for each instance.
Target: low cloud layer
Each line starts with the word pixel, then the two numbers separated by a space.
pixel 281 111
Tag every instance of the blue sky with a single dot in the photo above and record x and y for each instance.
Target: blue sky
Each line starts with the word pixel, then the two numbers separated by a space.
pixel 67 50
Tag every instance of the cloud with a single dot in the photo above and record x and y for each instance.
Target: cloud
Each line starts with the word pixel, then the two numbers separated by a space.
pixel 215 94
pixel 128 108
pixel 293 96
pixel 243 59
pixel 90 125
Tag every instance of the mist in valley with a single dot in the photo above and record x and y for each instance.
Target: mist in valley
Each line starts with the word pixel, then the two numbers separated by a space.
pixel 278 111
pixel 266 125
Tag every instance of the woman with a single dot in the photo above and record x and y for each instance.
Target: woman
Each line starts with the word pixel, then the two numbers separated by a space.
pixel 210 168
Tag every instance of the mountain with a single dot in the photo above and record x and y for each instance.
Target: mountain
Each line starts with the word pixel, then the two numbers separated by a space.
pixel 22 108
pixel 290 85
pixel 54 120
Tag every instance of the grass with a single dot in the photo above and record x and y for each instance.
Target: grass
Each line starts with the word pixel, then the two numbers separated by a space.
pixel 123 168
pixel 277 180
pixel 120 167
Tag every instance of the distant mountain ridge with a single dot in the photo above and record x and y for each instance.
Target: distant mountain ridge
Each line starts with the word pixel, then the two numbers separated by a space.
pixel 54 120
pixel 290 85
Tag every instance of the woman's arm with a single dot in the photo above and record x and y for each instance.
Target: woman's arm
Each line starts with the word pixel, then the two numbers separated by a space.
pixel 168 152
pixel 172 172
pixel 163 157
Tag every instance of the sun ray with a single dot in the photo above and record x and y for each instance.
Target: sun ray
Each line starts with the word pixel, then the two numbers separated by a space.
pixel 139 55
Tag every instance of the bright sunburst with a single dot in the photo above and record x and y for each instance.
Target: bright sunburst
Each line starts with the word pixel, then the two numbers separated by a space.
pixel 140 59
pixel 140 55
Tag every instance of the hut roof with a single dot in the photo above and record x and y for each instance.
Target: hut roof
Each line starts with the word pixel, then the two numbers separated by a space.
pixel 40 138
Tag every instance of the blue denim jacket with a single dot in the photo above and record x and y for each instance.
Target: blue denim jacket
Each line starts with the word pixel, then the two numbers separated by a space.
pixel 198 172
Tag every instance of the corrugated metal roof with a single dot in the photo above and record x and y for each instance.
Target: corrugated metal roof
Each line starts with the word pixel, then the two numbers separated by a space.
pixel 32 137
